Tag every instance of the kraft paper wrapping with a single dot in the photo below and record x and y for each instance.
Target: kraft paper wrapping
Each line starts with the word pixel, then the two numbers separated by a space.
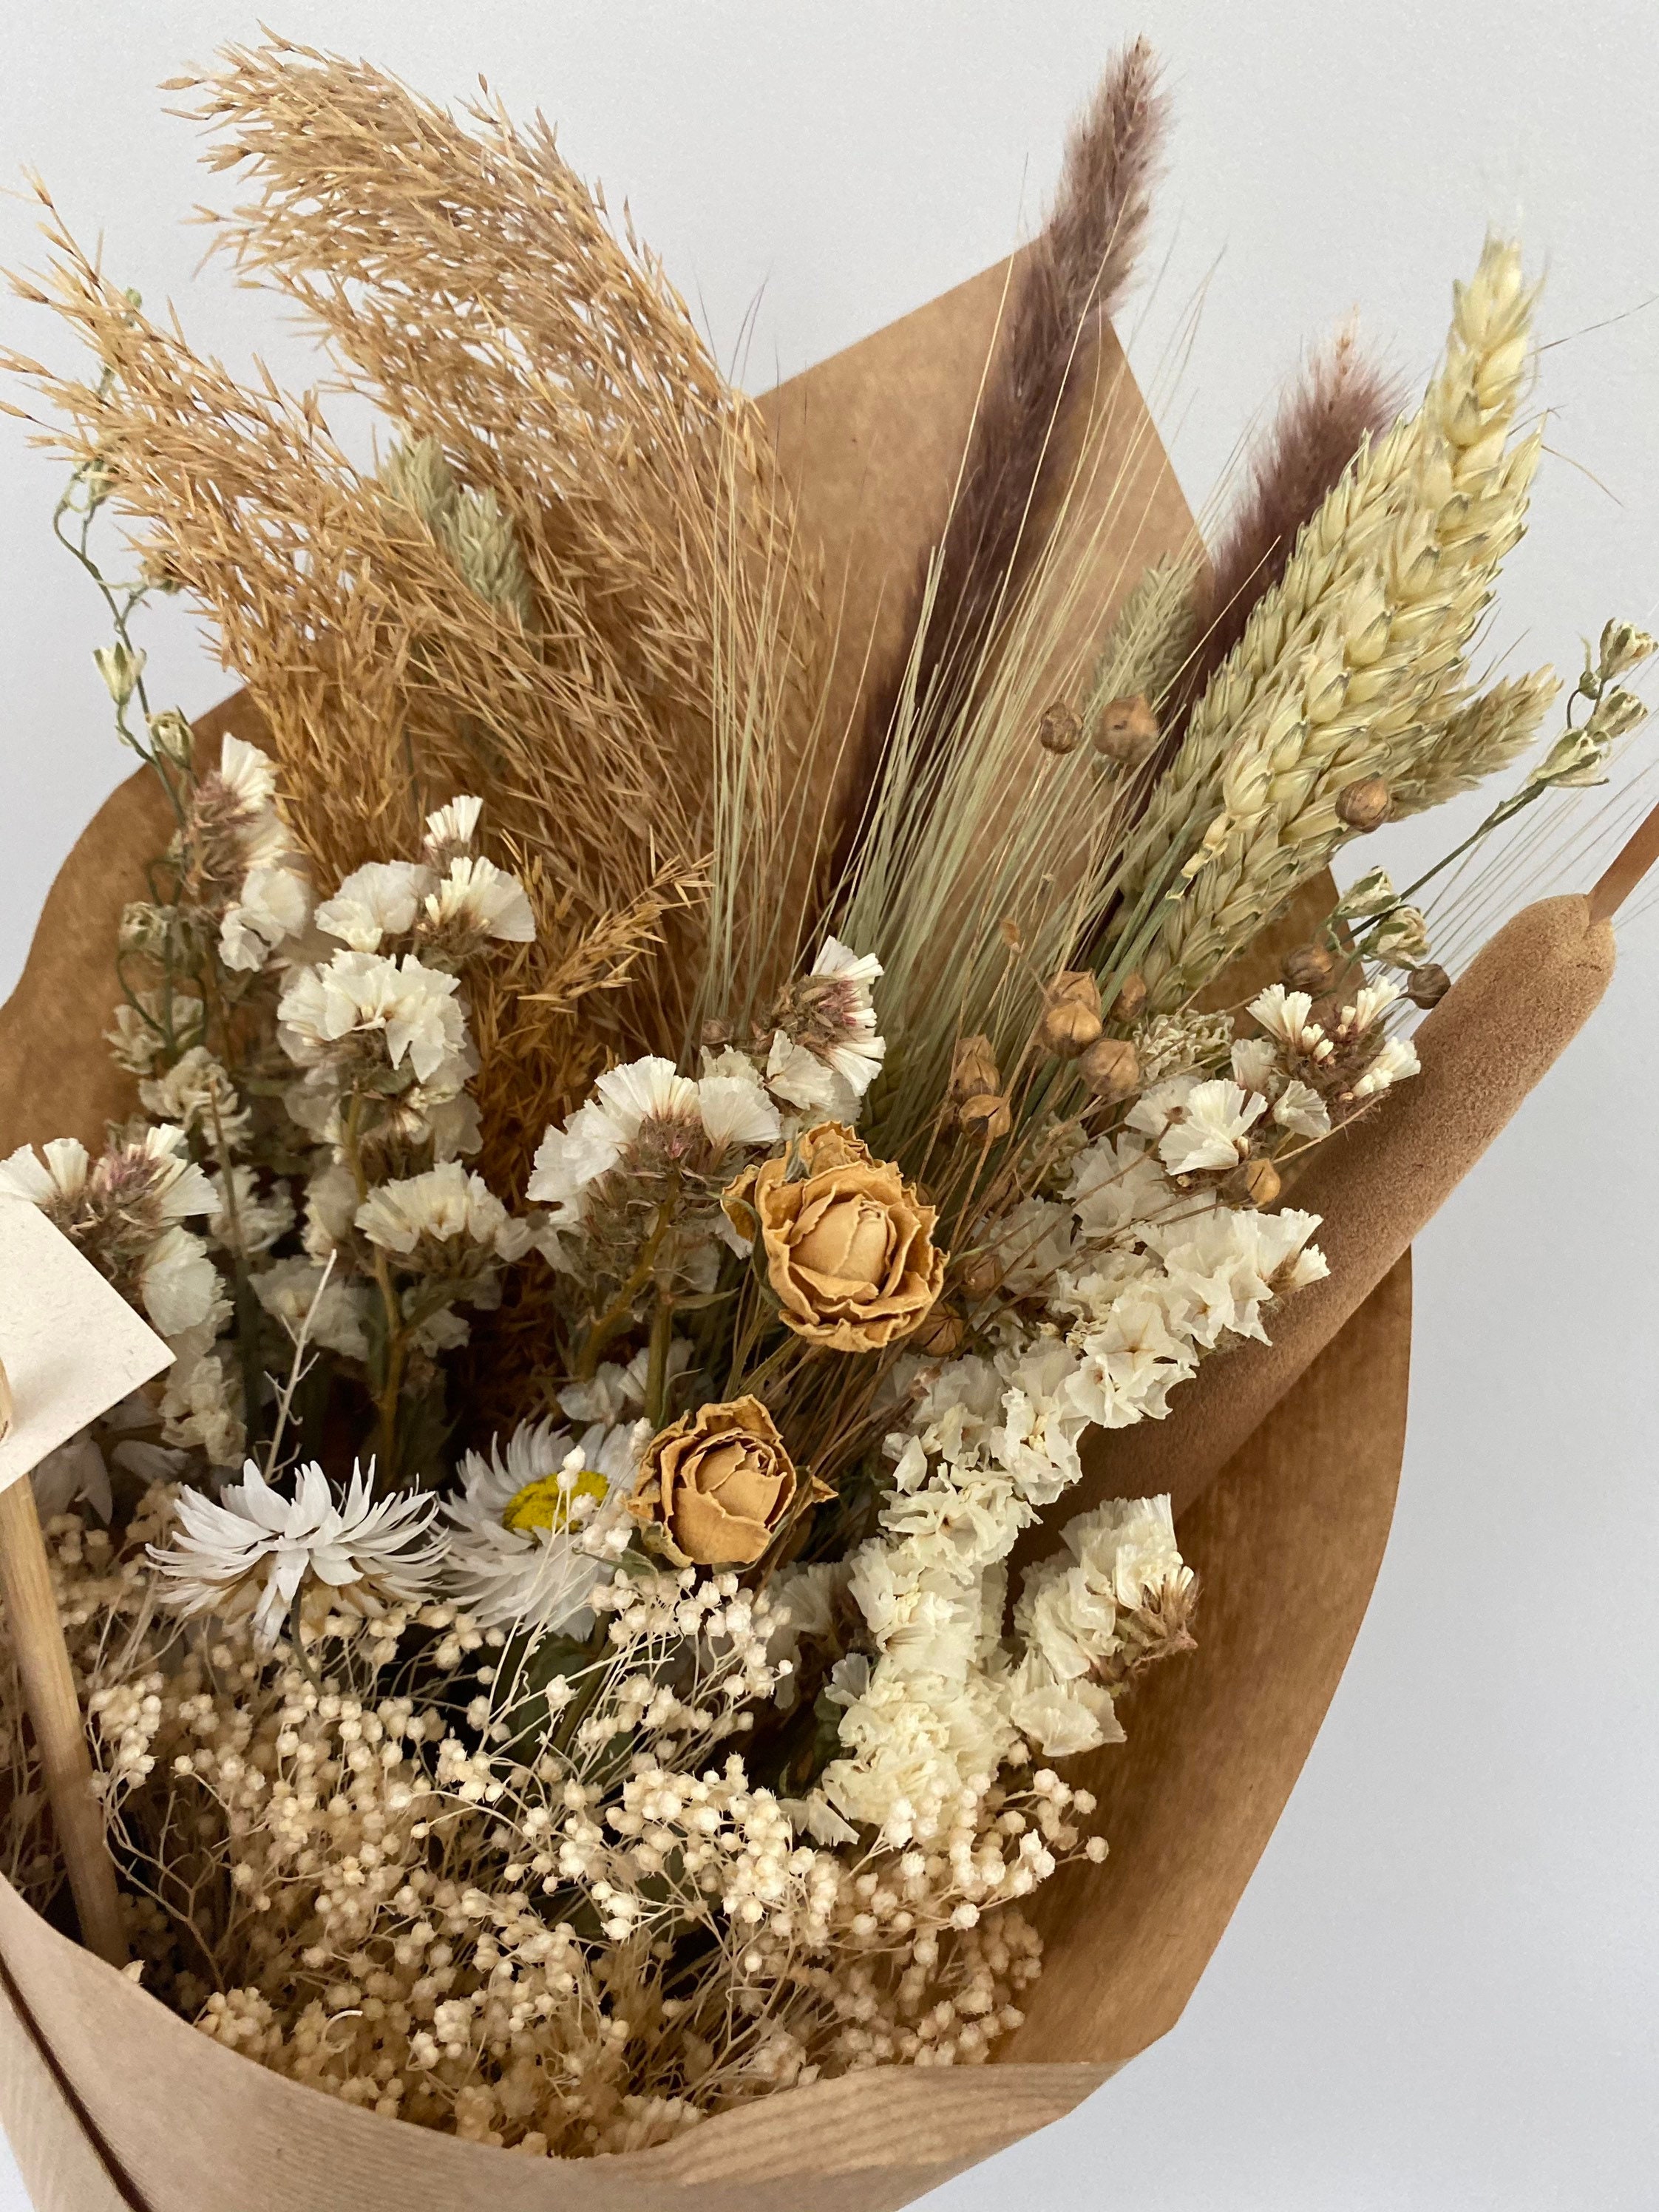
pixel 109 2100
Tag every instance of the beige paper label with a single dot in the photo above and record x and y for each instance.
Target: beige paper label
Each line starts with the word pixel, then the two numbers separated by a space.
pixel 72 1347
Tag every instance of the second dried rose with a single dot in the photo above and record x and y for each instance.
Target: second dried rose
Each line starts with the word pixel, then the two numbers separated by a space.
pixel 848 1244
pixel 715 1486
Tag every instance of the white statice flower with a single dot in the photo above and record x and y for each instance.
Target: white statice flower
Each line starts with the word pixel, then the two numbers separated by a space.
pixel 914 1745
pixel 379 900
pixel 1132 1345
pixel 331 1209
pixel 197 1093
pixel 1033 1241
pixel 1287 1017
pixel 736 1112
pixel 1299 1108
pixel 248 774
pixel 356 994
pixel 1114 1183
pixel 1160 1105
pixel 858 1054
pixel 450 831
pixel 641 1091
pixel 254 1219
pixel 537 1528
pixel 1370 1002
pixel 728 1109
pixel 1255 1064
pixel 257 1552
pixel 179 1284
pixel 1396 1058
pixel 273 907
pixel 477 899
pixel 201 1406
pixel 444 1206
pixel 139 1034
pixel 1067 1620
pixel 1129 1547
pixel 1061 1718
pixel 158 1166
pixel 54 1180
pixel 828 1057
pixel 332 1313
pixel 1213 1131
pixel 1228 1264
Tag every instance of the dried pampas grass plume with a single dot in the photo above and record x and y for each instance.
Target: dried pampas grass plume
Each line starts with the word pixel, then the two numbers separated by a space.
pixel 575 554
pixel 1341 398
pixel 1068 283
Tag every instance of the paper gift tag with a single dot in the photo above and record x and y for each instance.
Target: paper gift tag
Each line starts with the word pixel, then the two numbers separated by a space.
pixel 72 1347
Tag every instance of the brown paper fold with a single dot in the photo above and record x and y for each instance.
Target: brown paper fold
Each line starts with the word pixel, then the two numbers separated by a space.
pixel 1288 1540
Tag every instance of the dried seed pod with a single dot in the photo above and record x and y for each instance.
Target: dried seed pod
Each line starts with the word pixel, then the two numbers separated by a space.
pixel 986 1116
pixel 1131 1000
pixel 1071 1015
pixel 1111 1068
pixel 1060 730
pixel 979 1274
pixel 1364 803
pixel 1428 985
pixel 1254 1182
pixel 973 1069
pixel 1126 731
pixel 1308 968
pixel 940 1336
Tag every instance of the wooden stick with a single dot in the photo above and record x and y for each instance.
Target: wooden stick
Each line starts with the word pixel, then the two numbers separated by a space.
pixel 37 1643
pixel 1623 873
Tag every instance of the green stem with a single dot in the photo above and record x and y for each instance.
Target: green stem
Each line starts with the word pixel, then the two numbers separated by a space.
pixel 656 1372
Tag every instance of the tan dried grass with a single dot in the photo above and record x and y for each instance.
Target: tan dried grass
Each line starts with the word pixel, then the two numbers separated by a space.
pixel 473 288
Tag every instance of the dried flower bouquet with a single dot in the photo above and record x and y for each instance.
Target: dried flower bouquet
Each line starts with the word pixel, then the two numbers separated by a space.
pixel 656 1162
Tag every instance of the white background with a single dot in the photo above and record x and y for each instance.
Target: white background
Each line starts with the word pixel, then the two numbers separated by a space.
pixel 1440 1990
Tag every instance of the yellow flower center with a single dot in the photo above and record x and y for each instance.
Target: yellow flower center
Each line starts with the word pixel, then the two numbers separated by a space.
pixel 546 1502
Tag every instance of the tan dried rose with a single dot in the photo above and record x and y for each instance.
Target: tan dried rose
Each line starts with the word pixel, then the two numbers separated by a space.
pixel 848 1244
pixel 714 1488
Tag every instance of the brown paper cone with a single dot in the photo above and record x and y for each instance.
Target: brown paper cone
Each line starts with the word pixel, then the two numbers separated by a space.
pixel 143 2112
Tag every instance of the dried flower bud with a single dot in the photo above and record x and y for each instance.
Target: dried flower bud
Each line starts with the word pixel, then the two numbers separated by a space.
pixel 1126 731
pixel 716 1036
pixel 1308 968
pixel 941 1335
pixel 1428 985
pixel 1616 714
pixel 1011 933
pixel 973 1069
pixel 979 1274
pixel 1623 647
pixel 1060 730
pixel 120 668
pixel 1254 1183
pixel 1071 1015
pixel 1374 893
pixel 172 737
pixel 986 1116
pixel 1363 804
pixel 1131 1000
pixel 1401 939
pixel 1111 1068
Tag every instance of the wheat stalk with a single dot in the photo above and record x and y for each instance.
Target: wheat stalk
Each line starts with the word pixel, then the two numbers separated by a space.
pixel 1353 665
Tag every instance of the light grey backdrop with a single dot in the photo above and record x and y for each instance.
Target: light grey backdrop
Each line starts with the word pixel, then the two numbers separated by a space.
pixel 1440 1991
